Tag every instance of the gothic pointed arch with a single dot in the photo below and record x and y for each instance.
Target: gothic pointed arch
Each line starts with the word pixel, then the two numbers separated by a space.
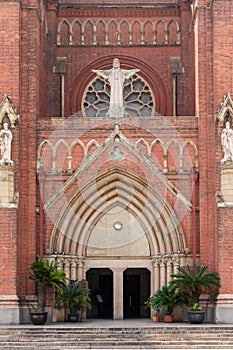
pixel 7 110
pixel 225 111
pixel 47 157
pixel 117 188
pixel 76 30
pixel 148 29
pixel 124 31
pixel 88 29
pixel 63 32
pixel 100 28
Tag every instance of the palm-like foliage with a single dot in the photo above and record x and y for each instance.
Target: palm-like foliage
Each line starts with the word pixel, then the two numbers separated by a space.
pixel 167 298
pixel 153 302
pixel 195 281
pixel 47 276
pixel 74 296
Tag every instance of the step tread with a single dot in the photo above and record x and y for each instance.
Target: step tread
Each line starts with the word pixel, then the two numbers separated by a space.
pixel 70 338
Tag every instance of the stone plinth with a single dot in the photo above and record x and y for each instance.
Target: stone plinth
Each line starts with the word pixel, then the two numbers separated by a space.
pixel 227 182
pixel 224 310
pixel 7 183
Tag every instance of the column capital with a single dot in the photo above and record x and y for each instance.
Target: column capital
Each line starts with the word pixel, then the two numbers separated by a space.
pixel 118 269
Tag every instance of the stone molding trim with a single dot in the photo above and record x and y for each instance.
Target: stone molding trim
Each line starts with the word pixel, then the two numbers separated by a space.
pixel 7 110
pixel 78 217
pixel 113 32
pixel 98 151
pixel 225 205
pixel 225 111
pixel 92 145
pixel 225 299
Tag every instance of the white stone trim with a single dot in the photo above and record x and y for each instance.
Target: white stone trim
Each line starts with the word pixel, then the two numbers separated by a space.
pixel 224 204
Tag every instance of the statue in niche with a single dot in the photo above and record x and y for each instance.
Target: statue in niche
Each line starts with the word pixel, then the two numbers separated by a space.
pixel 227 143
pixel 116 77
pixel 5 145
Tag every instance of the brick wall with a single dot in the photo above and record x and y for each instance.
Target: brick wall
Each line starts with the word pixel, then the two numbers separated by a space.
pixel 213 51
pixel 225 243
pixel 154 61
pixel 9 251
pixel 183 129
pixel 31 98
pixel 9 56
pixel 204 99
pixel 9 84
pixel 28 55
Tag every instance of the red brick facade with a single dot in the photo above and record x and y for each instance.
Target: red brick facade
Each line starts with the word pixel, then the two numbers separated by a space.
pixel 148 36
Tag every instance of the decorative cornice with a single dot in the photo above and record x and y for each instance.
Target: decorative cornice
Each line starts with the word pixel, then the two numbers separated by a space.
pixel 94 5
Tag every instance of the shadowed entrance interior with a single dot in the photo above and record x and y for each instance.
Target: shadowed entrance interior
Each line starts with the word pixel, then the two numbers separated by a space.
pixel 136 290
pixel 100 281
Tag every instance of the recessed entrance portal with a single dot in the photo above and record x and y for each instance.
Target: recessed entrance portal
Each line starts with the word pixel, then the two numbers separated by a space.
pixel 100 281
pixel 136 290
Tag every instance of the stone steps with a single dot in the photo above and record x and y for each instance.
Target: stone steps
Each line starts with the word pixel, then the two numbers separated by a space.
pixel 130 345
pixel 154 337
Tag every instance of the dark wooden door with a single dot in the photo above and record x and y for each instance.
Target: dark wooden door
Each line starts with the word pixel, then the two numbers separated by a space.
pixel 131 296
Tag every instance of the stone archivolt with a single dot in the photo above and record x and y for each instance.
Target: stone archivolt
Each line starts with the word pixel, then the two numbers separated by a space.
pixel 110 189
pixel 135 32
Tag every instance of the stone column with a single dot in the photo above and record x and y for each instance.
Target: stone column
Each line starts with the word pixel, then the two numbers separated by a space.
pixel 162 274
pixel 66 266
pixel 155 277
pixel 169 270
pixel 118 293
pixel 80 270
pixel 73 273
pixel 176 262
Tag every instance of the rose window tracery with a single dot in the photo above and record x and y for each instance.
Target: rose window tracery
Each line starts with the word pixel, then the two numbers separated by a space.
pixel 138 98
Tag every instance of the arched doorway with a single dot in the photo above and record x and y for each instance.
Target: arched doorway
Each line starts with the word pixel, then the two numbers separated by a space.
pixel 119 234
pixel 136 289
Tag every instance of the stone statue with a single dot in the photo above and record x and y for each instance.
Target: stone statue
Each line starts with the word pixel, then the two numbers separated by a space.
pixel 5 144
pixel 227 143
pixel 116 77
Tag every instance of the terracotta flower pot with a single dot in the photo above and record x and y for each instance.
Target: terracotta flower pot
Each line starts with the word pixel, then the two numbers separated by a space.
pixel 168 318
pixel 155 318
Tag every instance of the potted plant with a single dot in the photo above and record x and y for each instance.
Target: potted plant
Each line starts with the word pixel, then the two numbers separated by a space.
pixel 168 298
pixel 196 314
pixel 153 303
pixel 195 281
pixel 46 276
pixel 75 297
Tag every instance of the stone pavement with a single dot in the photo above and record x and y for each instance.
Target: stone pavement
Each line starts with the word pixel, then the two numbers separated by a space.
pixel 126 323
